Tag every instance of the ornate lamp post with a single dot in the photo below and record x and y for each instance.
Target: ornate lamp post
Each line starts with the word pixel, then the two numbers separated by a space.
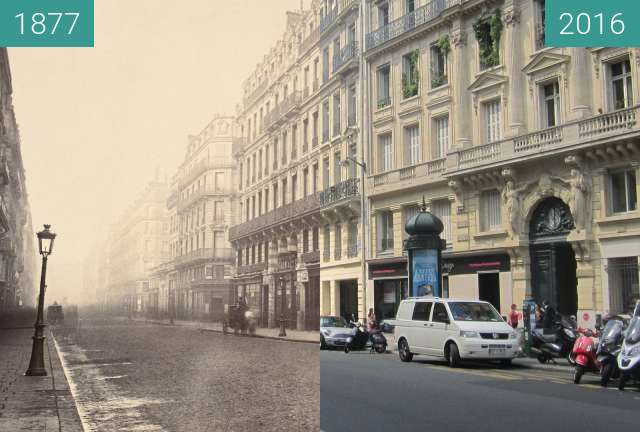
pixel 36 365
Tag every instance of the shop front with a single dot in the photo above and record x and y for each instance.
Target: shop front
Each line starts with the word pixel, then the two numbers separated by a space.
pixel 390 286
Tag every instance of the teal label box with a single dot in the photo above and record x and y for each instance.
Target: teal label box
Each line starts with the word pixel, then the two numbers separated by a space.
pixel 592 23
pixel 46 23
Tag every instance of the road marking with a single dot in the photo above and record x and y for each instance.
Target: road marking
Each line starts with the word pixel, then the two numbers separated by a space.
pixel 509 375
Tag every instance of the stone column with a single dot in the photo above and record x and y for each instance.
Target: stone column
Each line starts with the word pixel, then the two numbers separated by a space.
pixel 272 302
pixel 335 298
pixel 459 69
pixel 513 61
pixel 580 84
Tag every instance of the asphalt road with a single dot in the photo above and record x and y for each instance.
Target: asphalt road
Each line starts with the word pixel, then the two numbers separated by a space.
pixel 139 377
pixel 360 391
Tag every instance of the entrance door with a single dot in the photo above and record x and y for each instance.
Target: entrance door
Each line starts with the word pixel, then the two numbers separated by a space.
pixel 489 288
pixel 553 262
pixel 348 299
pixel 312 303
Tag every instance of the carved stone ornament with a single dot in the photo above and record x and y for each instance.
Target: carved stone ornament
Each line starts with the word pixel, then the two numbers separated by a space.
pixel 456 187
pixel 552 217
pixel 511 16
pixel 458 38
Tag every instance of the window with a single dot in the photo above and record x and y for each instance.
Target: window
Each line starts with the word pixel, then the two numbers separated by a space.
pixel 337 168
pixel 623 283
pixel 305 241
pixel 284 148
pixel 550 104
pixel 621 84
pixel 352 238
pixel 336 114
pixel 325 121
pixel 315 182
pixel 352 101
pixel 440 313
pixel 409 6
pixel 218 211
pixel 294 142
pixel 438 67
pixel 325 65
pixel 326 240
pixel 275 195
pixel 337 249
pixel 490 210
pixel 442 137
pixel 315 239
pixel 410 75
pixel 492 121
pixel 384 95
pixel 284 192
pixel 325 173
pixel 410 211
pixel 411 145
pixel 386 153
pixel 385 231
pixel 383 15
pixel 352 165
pixel 314 138
pixel 442 209
pixel 488 37
pixel 421 311
pixel 275 153
pixel 294 187
pixel 305 182
pixel 305 135
pixel 622 185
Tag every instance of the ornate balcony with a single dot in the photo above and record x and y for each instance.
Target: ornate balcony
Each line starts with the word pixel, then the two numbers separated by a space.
pixel 334 15
pixel 222 255
pixel 409 22
pixel 252 268
pixel 567 137
pixel 281 112
pixel 310 257
pixel 203 192
pixel 296 209
pixel 344 190
pixel 413 175
pixel 197 170
pixel 346 58
pixel 256 93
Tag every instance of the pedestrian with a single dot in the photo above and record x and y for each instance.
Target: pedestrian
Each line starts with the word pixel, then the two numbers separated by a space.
pixel 371 320
pixel 514 316
pixel 549 316
pixel 539 316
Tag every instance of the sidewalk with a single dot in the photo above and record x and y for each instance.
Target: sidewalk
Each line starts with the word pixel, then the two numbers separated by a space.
pixel 33 403
pixel 265 333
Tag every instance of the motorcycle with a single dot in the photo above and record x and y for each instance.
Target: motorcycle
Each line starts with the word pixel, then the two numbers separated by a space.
pixel 363 339
pixel 555 342
pixel 629 357
pixel 608 350
pixel 583 355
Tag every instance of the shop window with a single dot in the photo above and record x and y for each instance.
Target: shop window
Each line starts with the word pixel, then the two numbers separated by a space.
pixel 623 191
pixel 490 210
pixel 621 84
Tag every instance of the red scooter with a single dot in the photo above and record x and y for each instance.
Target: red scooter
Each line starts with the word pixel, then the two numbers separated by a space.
pixel 584 355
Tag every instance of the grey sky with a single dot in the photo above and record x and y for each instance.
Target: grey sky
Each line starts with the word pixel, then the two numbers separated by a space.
pixel 96 123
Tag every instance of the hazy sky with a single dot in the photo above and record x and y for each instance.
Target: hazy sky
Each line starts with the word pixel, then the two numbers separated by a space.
pixel 97 122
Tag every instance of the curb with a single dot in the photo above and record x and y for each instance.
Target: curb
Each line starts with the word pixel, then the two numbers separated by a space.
pixel 262 336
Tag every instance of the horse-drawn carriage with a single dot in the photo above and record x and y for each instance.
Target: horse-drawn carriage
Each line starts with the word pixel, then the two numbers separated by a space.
pixel 239 318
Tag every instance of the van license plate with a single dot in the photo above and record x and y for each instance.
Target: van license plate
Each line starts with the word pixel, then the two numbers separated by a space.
pixel 497 351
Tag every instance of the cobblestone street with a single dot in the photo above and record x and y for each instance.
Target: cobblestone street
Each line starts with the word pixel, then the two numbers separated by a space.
pixel 136 376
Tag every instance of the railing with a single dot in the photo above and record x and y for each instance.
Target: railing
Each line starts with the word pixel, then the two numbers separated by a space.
pixel 430 169
pixel 556 138
pixel 408 22
pixel 352 250
pixel 537 140
pixel 198 169
pixel 252 268
pixel 280 215
pixel 606 123
pixel 256 93
pixel 436 166
pixel 327 19
pixel 310 257
pixel 217 254
pixel 407 172
pixel 384 102
pixel 310 40
pixel 326 255
pixel 337 253
pixel 287 261
pixel 345 189
pixel 380 179
pixel 345 55
pixel 201 193
pixel 291 102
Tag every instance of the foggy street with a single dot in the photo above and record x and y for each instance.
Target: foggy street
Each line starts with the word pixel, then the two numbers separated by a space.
pixel 136 376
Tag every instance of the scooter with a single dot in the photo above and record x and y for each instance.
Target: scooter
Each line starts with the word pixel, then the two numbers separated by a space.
pixel 556 342
pixel 629 357
pixel 363 339
pixel 608 349
pixel 584 356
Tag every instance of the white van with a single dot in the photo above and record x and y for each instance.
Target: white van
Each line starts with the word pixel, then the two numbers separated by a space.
pixel 454 330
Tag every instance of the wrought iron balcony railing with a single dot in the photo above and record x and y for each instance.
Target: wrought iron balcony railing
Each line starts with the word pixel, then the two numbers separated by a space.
pixel 203 192
pixel 345 189
pixel 408 22
pixel 346 54
pixel 310 257
pixel 252 268
pixel 210 254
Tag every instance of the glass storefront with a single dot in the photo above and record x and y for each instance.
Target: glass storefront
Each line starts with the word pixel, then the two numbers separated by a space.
pixel 387 296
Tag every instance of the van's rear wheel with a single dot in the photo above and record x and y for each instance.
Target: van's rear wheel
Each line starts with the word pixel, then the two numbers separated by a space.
pixel 454 356
pixel 404 351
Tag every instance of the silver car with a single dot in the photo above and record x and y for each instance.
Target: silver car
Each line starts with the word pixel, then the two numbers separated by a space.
pixel 334 331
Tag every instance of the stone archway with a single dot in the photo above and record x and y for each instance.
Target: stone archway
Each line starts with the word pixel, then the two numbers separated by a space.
pixel 552 259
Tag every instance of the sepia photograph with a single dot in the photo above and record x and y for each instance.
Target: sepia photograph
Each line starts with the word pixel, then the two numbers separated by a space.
pixel 319 215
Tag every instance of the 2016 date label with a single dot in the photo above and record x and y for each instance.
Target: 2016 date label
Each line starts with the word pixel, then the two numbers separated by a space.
pixel 47 23
pixel 591 23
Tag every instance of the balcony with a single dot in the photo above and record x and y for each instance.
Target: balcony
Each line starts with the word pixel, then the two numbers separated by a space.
pixel 326 255
pixel 409 22
pixel 310 40
pixel 352 250
pixel 296 209
pixel 346 58
pixel 334 15
pixel 567 137
pixel 310 257
pixel 337 253
pixel 252 268
pixel 224 255
pixel 342 191
pixel 173 199
pixel 194 172
pixel 203 192
pixel 256 93
pixel 279 113
pixel 408 176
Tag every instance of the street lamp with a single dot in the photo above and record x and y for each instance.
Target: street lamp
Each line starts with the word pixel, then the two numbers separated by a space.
pixel 36 365
pixel 363 165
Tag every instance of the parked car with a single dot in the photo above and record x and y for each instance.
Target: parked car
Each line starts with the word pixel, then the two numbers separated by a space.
pixel 334 331
pixel 454 330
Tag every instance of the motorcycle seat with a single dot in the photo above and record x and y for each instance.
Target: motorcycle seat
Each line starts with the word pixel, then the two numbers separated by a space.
pixel 539 333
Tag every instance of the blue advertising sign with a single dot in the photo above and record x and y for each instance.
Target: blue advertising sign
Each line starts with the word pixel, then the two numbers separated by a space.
pixel 425 273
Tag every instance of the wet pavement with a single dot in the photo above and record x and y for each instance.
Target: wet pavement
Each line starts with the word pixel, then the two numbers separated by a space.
pixel 131 376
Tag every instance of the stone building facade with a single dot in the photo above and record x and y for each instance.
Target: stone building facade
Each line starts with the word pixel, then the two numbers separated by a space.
pixel 137 243
pixel 284 121
pixel 529 154
pixel 195 283
pixel 17 245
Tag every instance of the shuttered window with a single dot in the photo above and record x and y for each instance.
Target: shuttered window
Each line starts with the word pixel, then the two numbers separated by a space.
pixel 490 210
pixel 442 137
pixel 386 153
pixel 411 145
pixel 492 121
